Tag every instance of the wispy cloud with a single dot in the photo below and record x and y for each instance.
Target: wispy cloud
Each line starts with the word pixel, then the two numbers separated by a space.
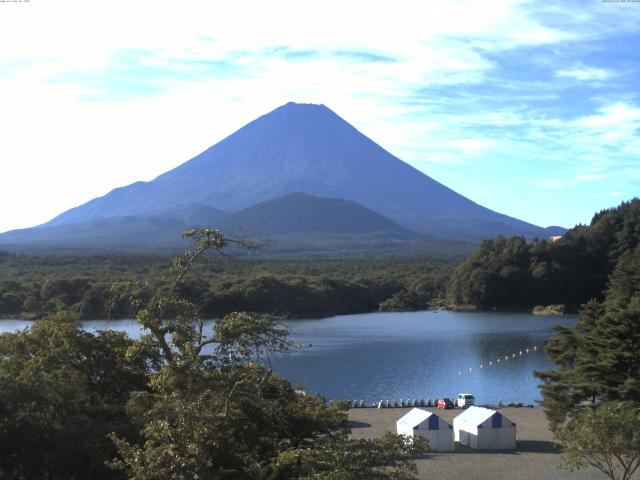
pixel 567 180
pixel 136 73
pixel 586 74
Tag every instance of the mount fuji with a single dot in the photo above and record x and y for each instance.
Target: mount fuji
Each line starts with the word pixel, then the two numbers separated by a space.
pixel 296 148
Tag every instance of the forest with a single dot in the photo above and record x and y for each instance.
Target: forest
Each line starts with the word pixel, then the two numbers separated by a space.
pixel 33 286
pixel 510 272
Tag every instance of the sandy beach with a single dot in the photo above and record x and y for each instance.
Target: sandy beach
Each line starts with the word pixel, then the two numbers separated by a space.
pixel 535 459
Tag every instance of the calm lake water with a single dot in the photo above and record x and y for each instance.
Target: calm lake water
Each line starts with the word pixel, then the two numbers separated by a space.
pixel 413 355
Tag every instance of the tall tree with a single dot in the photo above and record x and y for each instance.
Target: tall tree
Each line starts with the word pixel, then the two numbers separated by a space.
pixel 598 360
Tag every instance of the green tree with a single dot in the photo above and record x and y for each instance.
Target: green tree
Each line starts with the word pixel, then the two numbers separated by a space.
pixel 62 391
pixel 606 437
pixel 496 274
pixel 388 457
pixel 599 359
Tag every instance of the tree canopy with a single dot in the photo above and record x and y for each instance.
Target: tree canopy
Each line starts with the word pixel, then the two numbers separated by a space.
pixel 62 391
pixel 606 437
pixel 570 271
pixel 32 286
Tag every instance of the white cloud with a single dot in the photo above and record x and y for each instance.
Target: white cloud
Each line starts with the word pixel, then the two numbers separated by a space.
pixel 586 74
pixel 617 116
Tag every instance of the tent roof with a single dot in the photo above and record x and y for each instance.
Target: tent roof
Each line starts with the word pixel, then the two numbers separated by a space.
pixel 415 417
pixel 475 415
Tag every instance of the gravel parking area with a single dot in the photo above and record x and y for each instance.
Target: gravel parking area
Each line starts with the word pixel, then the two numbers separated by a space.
pixel 536 457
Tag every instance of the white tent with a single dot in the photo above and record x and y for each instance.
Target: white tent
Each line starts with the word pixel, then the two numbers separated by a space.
pixel 484 429
pixel 438 433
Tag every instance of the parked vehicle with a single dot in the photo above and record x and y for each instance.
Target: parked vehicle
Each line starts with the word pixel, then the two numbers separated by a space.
pixel 444 403
pixel 465 400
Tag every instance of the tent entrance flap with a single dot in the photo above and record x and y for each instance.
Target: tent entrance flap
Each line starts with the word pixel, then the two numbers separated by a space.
pixel 496 421
pixel 433 423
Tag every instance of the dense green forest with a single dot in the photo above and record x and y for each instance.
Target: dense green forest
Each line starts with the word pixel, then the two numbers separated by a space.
pixel 32 286
pixel 506 272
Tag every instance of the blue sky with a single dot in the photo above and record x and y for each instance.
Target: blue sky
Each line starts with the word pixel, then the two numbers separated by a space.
pixel 529 108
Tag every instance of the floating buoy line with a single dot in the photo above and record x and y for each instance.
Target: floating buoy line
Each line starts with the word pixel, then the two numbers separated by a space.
pixel 419 402
pixel 502 359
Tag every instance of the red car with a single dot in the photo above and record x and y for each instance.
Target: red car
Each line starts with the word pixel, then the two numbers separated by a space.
pixel 444 403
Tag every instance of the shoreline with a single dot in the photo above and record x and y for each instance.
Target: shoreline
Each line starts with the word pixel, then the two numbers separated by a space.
pixel 537 310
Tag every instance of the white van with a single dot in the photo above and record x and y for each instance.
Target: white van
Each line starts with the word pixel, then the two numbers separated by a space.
pixel 465 399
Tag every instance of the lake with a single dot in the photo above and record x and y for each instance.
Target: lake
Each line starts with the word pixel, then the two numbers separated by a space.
pixel 425 354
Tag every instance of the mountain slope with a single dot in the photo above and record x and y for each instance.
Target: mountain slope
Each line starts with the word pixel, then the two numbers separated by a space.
pixel 116 232
pixel 301 218
pixel 100 233
pixel 305 148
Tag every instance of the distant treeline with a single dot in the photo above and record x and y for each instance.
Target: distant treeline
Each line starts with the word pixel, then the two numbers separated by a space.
pixel 33 286
pixel 507 272
pixel 502 273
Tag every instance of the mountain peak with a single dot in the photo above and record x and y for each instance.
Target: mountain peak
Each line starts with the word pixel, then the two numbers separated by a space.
pixel 296 111
pixel 307 106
